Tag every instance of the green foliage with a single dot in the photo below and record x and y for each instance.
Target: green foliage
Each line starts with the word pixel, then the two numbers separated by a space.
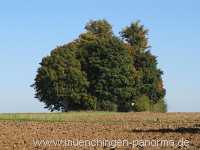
pixel 145 104
pixel 142 104
pixel 99 27
pixel 61 84
pixel 150 81
pixel 160 106
pixel 99 71
pixel 148 75
pixel 136 36
pixel 107 106
pixel 109 74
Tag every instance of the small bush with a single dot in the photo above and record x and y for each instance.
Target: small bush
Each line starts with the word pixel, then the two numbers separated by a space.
pixel 160 106
pixel 142 104
pixel 107 106
pixel 88 103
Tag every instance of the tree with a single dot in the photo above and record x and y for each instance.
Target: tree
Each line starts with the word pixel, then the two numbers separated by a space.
pixel 149 80
pixel 109 72
pixel 61 84
pixel 108 66
pixel 136 36
pixel 100 71
pixel 99 28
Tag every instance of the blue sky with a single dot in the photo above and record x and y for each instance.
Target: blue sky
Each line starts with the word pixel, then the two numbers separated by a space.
pixel 29 30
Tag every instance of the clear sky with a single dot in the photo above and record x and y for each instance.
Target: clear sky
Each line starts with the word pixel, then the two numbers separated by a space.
pixel 29 30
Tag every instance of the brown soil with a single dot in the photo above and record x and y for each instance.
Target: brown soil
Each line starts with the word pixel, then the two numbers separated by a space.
pixel 21 135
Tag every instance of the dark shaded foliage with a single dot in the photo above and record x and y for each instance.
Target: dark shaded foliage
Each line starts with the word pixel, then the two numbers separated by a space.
pixel 99 71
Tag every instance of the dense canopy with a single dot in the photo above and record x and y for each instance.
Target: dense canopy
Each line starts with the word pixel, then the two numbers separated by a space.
pixel 100 71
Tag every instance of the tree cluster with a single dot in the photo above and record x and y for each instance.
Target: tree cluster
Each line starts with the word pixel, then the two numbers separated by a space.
pixel 100 71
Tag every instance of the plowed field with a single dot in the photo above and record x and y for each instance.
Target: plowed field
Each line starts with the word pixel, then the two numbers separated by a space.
pixel 99 130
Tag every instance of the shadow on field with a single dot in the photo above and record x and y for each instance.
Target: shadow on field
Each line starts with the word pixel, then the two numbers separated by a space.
pixel 168 130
